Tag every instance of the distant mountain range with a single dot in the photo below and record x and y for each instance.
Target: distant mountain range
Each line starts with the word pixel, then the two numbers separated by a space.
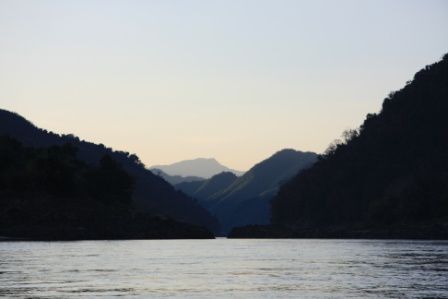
pixel 175 179
pixel 388 179
pixel 200 167
pixel 151 195
pixel 246 199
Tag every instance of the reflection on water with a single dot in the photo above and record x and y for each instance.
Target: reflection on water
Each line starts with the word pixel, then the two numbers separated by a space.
pixel 225 268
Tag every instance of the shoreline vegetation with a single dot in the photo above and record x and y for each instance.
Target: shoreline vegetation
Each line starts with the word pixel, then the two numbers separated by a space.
pixel 429 232
pixel 166 229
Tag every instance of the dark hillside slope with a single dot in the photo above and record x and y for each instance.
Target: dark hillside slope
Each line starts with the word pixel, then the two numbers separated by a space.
pixel 151 193
pixel 390 176
pixel 46 193
pixel 246 199
pixel 205 190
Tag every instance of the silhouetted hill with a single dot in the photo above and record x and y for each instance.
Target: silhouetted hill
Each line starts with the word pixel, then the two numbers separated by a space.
pixel 151 193
pixel 47 194
pixel 200 167
pixel 387 179
pixel 176 179
pixel 245 200
pixel 205 190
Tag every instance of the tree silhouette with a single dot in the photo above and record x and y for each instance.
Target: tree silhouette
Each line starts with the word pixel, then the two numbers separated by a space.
pixel 392 172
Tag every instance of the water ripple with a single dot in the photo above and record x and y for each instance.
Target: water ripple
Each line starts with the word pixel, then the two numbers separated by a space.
pixel 225 269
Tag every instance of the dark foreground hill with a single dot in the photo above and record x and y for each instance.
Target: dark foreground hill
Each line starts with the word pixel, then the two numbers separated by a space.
pixel 246 199
pixel 389 179
pixel 151 194
pixel 48 194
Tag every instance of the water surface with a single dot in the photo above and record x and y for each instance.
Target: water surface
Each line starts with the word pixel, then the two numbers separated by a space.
pixel 225 268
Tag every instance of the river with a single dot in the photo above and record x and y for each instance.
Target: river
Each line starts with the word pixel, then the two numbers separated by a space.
pixel 225 268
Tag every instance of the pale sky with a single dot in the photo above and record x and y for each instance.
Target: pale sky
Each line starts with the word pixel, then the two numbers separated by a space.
pixel 234 80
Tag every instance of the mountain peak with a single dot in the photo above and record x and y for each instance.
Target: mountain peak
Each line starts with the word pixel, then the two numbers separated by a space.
pixel 243 200
pixel 206 160
pixel 199 167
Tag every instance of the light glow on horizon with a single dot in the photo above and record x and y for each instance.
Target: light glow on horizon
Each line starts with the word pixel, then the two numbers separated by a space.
pixel 233 80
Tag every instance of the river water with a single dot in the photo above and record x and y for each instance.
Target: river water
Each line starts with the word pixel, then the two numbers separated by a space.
pixel 225 268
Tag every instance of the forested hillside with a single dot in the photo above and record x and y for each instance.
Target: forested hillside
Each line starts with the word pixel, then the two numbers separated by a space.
pixel 151 194
pixel 389 175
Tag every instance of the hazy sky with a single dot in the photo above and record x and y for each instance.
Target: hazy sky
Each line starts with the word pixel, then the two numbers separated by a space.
pixel 234 80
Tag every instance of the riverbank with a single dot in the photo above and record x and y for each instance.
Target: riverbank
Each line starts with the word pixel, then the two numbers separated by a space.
pixel 438 231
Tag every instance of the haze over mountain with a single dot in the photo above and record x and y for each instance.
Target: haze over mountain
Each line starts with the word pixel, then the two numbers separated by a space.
pixel 175 179
pixel 389 178
pixel 245 200
pixel 151 194
pixel 200 167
